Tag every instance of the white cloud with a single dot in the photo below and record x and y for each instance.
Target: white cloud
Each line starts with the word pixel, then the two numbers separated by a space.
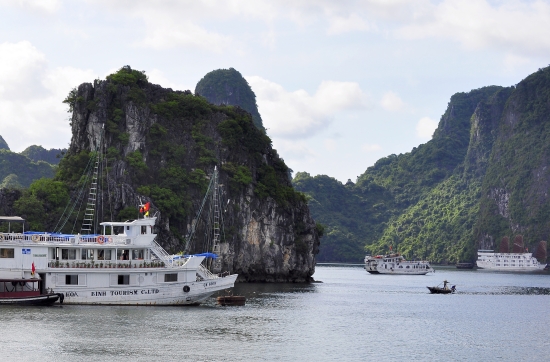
pixel 425 127
pixel 391 102
pixel 299 114
pixel 340 24
pixel 156 76
pixel 166 32
pixel 47 6
pixel 21 65
pixel 512 61
pixel 371 147
pixel 31 108
pixel 512 25
pixel 330 144
pixel 294 150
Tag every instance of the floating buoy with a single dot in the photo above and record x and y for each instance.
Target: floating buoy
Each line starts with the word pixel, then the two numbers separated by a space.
pixel 230 300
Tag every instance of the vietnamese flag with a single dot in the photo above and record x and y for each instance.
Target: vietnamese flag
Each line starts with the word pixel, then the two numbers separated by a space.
pixel 33 269
pixel 147 206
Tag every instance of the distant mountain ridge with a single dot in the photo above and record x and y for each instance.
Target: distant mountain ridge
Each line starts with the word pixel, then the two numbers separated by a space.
pixel 19 170
pixel 39 153
pixel 482 177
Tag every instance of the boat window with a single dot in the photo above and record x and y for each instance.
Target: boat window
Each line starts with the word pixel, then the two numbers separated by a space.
pixel 137 254
pixel 104 254
pixel 144 229
pixel 6 253
pixel 122 254
pixel 71 279
pixel 171 277
pixel 68 254
pixel 123 279
pixel 87 254
pixel 127 228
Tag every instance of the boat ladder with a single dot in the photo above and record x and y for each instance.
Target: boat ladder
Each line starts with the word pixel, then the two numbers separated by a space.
pixel 87 226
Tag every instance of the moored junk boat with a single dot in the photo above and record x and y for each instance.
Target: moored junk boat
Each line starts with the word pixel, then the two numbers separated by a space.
pixel 518 262
pixel 122 265
pixel 26 292
pixel 396 264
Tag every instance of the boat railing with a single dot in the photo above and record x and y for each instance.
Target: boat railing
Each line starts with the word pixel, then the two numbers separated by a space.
pixel 41 238
pixel 105 264
pixel 162 254
pixel 205 274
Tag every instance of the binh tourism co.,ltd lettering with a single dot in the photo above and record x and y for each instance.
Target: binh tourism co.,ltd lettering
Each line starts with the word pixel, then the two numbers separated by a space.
pixel 104 293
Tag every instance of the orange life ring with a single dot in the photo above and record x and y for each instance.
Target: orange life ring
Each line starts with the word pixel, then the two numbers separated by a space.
pixel 100 239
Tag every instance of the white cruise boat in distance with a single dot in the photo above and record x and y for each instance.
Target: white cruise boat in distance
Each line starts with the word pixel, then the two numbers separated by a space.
pixel 122 265
pixel 396 264
pixel 522 262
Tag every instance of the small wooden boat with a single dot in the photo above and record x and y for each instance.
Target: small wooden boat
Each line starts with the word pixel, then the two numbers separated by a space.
pixel 231 300
pixel 442 290
pixel 26 292
pixel 465 265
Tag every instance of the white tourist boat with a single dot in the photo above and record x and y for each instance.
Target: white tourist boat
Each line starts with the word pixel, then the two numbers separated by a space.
pixel 522 262
pixel 396 264
pixel 122 265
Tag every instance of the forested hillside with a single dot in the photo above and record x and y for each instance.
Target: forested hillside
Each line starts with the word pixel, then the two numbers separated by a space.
pixel 483 176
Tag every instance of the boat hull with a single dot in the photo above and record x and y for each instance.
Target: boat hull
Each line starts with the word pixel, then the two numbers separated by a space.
pixel 190 293
pixel 437 290
pixel 513 262
pixel 46 299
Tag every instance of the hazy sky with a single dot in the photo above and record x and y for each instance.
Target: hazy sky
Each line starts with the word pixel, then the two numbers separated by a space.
pixel 339 84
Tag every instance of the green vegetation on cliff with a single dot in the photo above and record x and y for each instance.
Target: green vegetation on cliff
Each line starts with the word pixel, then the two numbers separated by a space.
pixel 39 153
pixel 19 171
pixel 227 86
pixel 483 176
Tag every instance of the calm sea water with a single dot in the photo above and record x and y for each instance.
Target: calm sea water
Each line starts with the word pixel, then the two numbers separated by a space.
pixel 351 316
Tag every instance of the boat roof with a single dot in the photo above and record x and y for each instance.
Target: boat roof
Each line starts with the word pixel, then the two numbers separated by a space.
pixel 12 218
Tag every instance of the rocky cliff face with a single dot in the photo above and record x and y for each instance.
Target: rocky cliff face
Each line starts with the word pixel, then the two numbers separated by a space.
pixel 162 146
pixel 515 187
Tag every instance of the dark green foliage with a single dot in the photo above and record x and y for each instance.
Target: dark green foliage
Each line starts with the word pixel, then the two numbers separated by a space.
pixel 240 175
pixel 42 203
pixel 183 105
pixel 227 86
pixel 21 166
pixel 128 213
pixel 39 153
pixel 3 144
pixel 270 183
pixel 72 99
pixel 128 77
pixel 71 168
pixel 235 133
pixel 11 182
